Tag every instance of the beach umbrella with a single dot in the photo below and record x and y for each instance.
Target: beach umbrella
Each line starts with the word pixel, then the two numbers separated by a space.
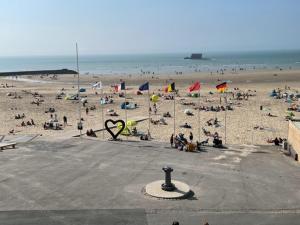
pixel 154 98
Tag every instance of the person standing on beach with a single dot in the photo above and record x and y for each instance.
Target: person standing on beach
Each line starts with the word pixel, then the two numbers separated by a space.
pixel 172 140
pixel 87 111
pixel 191 137
pixel 65 120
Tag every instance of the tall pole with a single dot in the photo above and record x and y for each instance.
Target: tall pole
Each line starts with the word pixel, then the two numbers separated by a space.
pixel 225 116
pixel 174 113
pixel 78 88
pixel 102 109
pixel 125 109
pixel 199 128
pixel 149 108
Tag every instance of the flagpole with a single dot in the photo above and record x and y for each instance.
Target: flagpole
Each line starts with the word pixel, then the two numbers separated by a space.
pixel 78 89
pixel 149 107
pixel 174 113
pixel 125 108
pixel 225 115
pixel 102 109
pixel 199 133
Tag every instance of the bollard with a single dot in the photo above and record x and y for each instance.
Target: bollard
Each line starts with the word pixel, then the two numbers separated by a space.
pixel 167 186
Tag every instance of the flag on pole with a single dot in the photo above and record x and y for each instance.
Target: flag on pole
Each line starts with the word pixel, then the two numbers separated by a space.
pixel 144 87
pixel 120 87
pixel 222 87
pixel 97 85
pixel 170 87
pixel 194 87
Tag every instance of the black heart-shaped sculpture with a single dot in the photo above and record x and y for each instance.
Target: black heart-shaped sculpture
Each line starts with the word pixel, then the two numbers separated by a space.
pixel 114 136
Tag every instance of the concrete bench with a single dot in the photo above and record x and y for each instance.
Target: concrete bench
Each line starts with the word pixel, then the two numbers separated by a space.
pixel 6 145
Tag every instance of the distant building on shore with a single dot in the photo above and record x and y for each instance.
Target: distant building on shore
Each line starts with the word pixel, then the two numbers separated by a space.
pixel 195 56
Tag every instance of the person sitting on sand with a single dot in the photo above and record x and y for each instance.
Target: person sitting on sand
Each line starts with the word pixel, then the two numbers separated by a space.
pixel 209 123
pixel 23 124
pixel 162 121
pixel 186 126
pixel 28 123
pixel 88 133
pixel 92 133
pixel 206 132
pixel 134 131
pixel 270 115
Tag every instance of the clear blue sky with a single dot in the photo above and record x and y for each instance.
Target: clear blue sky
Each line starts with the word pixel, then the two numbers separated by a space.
pixel 51 27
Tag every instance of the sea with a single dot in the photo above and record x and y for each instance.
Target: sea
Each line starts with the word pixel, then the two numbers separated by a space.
pixel 157 63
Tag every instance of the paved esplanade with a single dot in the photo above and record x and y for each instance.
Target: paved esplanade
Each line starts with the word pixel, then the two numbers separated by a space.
pixel 92 182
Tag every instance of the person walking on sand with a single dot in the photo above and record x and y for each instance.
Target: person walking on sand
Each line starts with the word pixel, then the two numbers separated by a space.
pixel 191 137
pixel 65 120
pixel 172 140
pixel 87 111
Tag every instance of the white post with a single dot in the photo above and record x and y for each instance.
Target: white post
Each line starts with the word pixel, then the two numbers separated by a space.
pixel 78 89
pixel 102 109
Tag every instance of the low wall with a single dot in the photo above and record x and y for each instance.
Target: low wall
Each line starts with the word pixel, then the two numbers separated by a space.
pixel 294 138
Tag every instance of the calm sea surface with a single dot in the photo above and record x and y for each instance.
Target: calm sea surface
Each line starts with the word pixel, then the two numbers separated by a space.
pixel 157 63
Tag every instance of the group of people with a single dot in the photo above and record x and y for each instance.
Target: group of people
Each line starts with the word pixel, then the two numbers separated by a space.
pixel 180 142
pixel 213 122
pixel 18 116
pixel 215 108
pixel 28 123
pixel 276 141
pixel 91 133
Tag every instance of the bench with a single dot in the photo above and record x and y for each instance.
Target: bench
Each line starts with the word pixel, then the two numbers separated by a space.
pixel 6 145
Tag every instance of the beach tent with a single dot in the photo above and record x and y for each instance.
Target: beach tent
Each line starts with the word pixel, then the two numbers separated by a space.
pixel 154 98
pixel 71 97
pixel 126 130
pixel 128 105
pixel 273 93
pixel 131 123
pixel 82 90
pixel 188 111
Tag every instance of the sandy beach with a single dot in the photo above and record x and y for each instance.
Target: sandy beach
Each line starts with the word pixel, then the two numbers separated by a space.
pixel 245 124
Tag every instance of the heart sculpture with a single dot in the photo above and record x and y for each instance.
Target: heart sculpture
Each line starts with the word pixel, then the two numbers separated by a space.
pixel 114 136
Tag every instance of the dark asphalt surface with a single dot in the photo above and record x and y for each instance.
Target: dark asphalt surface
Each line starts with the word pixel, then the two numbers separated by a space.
pixel 92 182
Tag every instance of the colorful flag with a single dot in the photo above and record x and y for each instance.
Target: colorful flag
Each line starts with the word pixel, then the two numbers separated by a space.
pixel 144 87
pixel 97 85
pixel 171 87
pixel 222 87
pixel 194 87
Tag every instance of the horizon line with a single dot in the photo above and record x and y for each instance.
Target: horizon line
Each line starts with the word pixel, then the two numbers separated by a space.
pixel 150 53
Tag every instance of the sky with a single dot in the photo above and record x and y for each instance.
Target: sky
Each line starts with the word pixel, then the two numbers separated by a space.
pixel 52 27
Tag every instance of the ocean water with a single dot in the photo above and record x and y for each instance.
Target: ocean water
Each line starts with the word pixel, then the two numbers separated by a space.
pixel 156 63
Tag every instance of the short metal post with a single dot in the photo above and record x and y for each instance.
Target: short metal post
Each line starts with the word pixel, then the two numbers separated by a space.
pixel 168 186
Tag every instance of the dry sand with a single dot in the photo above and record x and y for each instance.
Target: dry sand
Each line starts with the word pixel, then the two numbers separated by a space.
pixel 239 122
